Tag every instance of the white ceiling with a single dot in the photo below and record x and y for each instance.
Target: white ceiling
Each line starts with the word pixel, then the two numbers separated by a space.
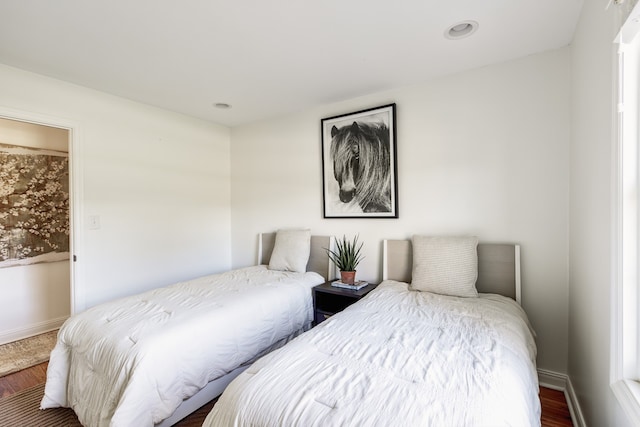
pixel 268 58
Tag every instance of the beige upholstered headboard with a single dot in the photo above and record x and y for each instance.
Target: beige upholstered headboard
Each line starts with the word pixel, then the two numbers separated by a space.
pixel 498 266
pixel 318 259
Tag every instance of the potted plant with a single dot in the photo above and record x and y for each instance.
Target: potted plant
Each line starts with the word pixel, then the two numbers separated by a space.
pixel 346 257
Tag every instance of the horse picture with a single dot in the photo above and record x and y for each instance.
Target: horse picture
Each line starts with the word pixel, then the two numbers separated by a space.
pixel 359 179
pixel 360 155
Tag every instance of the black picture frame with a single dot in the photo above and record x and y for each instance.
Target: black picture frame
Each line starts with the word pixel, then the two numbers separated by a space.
pixel 359 164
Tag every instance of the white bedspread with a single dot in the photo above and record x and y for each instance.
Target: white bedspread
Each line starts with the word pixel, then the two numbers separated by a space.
pixel 131 362
pixel 396 358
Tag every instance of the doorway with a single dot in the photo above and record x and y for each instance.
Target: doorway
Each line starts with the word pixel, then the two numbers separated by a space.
pixel 37 296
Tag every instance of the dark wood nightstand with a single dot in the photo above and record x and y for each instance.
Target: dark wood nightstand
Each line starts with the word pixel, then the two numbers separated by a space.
pixel 329 300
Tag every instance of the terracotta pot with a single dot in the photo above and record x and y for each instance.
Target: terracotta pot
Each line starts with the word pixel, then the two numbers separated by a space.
pixel 348 277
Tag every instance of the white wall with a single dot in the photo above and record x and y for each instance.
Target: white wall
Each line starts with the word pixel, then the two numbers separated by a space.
pixel 591 180
pixel 32 135
pixel 159 182
pixel 484 152
pixel 36 298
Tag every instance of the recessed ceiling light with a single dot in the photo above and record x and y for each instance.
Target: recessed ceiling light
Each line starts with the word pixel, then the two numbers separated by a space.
pixel 461 30
pixel 222 105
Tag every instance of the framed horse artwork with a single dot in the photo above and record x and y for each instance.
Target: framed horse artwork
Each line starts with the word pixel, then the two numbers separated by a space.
pixel 359 167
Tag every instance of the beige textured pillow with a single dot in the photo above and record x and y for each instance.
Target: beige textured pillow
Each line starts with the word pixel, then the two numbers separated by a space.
pixel 291 251
pixel 445 265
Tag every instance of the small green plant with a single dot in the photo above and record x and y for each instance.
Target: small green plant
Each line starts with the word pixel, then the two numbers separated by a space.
pixel 347 255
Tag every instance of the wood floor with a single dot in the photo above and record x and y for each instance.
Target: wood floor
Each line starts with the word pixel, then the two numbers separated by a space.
pixel 21 380
pixel 555 412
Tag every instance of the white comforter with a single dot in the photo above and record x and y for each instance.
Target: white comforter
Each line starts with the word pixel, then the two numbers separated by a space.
pixel 396 358
pixel 131 362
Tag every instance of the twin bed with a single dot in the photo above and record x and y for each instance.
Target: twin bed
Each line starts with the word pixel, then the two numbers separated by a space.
pixel 423 348
pixel 153 358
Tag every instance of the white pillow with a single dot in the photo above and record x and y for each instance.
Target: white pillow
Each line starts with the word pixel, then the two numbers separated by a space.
pixel 291 251
pixel 445 265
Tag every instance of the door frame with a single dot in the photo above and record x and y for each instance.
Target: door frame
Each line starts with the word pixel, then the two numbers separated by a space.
pixel 78 299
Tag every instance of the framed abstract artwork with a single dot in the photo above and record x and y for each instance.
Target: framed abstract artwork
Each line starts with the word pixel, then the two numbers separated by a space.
pixel 359 166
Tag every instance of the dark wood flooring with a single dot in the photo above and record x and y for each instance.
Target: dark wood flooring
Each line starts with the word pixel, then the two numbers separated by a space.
pixel 555 412
pixel 27 378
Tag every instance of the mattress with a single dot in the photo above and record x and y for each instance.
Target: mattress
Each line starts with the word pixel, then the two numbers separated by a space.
pixel 396 357
pixel 131 362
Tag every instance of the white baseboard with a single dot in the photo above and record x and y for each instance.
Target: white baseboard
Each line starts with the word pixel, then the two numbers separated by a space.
pixel 552 380
pixel 574 406
pixel 562 382
pixel 31 330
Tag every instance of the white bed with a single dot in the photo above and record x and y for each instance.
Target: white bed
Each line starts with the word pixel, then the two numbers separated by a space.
pixel 155 357
pixel 401 356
